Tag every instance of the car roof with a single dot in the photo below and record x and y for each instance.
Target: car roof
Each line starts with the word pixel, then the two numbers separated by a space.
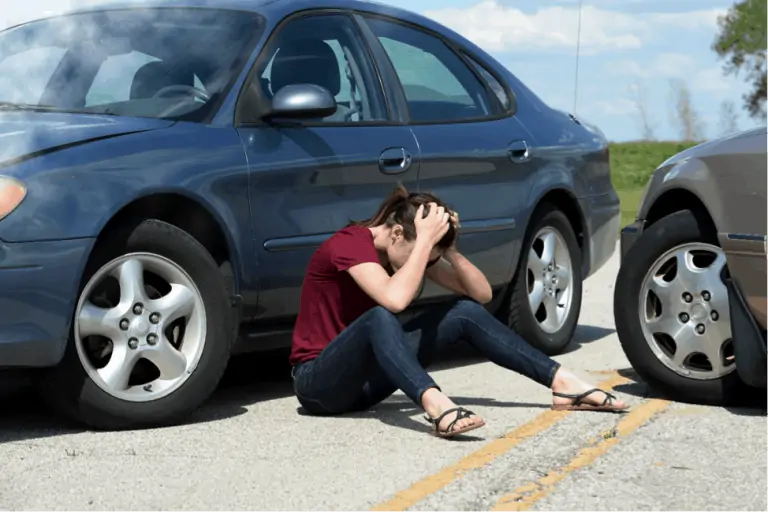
pixel 267 8
pixel 275 10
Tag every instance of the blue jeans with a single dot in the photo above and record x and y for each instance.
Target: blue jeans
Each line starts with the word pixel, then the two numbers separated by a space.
pixel 376 355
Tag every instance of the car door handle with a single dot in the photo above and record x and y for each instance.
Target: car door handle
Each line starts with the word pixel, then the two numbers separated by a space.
pixel 519 152
pixel 394 161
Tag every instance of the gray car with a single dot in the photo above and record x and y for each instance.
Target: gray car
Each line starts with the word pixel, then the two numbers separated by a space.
pixel 690 298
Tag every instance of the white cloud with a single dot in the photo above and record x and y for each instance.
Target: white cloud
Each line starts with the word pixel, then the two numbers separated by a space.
pixel 713 80
pixel 614 107
pixel 496 27
pixel 676 66
pixel 664 65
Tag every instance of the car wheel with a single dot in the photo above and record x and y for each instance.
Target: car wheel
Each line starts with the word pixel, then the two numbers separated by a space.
pixel 545 299
pixel 151 334
pixel 672 312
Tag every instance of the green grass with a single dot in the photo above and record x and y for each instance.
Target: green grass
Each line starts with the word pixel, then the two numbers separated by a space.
pixel 632 164
pixel 630 200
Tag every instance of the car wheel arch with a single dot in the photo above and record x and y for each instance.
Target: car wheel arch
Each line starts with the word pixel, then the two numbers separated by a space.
pixel 565 201
pixel 678 199
pixel 186 213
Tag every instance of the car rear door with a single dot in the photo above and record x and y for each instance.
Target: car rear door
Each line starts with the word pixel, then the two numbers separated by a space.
pixel 309 179
pixel 474 153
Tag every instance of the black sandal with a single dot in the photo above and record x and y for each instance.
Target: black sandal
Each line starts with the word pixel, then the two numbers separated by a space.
pixel 450 431
pixel 578 404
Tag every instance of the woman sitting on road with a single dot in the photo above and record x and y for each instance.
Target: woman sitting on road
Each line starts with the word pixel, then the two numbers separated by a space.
pixel 350 351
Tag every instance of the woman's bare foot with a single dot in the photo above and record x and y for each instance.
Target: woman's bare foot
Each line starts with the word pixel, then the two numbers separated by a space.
pixel 571 393
pixel 450 419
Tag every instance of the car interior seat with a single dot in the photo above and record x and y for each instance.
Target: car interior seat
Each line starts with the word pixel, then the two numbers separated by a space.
pixel 155 76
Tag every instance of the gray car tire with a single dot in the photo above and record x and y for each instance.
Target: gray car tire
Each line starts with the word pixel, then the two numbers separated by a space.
pixel 671 231
pixel 519 315
pixel 68 387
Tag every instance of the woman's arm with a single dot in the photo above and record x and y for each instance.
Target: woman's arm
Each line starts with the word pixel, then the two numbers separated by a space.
pixel 458 274
pixel 396 292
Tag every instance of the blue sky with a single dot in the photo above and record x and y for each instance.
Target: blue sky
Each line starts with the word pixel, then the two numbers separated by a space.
pixel 630 49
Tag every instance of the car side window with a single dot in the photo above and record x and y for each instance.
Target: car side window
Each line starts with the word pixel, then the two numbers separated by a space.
pixel 325 50
pixel 493 83
pixel 438 85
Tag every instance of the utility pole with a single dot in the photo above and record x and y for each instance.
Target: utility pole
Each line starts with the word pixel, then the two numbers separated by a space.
pixel 578 51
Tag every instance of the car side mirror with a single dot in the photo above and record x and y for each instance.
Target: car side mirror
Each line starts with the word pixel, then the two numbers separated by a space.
pixel 302 101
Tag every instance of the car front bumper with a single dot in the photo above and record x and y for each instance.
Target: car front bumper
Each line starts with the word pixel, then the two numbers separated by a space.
pixel 629 235
pixel 39 282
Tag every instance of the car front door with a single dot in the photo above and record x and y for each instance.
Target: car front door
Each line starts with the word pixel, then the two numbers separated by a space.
pixel 310 178
pixel 474 152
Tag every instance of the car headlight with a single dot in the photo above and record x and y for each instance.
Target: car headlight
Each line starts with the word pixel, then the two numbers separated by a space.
pixel 12 193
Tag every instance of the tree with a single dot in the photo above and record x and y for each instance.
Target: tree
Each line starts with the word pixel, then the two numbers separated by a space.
pixel 729 120
pixel 742 43
pixel 683 113
pixel 640 98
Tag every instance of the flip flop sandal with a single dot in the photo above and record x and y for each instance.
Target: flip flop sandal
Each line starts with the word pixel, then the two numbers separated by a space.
pixel 578 404
pixel 450 430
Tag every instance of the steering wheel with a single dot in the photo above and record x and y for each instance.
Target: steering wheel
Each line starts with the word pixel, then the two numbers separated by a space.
pixel 194 91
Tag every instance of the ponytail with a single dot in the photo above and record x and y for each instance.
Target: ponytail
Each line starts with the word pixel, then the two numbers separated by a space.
pixel 400 207
pixel 388 207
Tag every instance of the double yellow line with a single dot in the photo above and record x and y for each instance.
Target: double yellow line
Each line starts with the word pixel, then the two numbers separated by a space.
pixel 525 496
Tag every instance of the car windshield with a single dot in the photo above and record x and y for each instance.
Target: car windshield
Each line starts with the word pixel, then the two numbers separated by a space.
pixel 150 62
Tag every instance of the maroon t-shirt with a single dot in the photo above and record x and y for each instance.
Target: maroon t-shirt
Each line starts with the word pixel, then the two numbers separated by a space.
pixel 330 298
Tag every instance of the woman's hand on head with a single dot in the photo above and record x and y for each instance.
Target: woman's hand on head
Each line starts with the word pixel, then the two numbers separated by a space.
pixel 456 226
pixel 433 226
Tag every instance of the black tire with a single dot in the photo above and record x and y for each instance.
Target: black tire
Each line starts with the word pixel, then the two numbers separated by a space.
pixel 669 232
pixel 520 317
pixel 69 389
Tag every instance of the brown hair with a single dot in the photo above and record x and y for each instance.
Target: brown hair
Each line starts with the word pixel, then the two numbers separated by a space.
pixel 400 208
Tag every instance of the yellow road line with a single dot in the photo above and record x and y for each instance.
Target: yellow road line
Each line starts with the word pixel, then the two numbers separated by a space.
pixel 524 497
pixel 485 455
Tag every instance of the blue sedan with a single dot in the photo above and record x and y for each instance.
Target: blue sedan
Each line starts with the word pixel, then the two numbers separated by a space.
pixel 167 170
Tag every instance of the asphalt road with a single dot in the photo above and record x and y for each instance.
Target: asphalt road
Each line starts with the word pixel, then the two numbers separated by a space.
pixel 251 448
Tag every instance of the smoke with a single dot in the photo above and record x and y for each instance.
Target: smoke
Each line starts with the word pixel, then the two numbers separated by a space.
pixel 20 12
pixel 151 63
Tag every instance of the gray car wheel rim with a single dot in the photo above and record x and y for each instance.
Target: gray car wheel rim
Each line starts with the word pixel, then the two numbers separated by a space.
pixel 144 342
pixel 550 283
pixel 684 300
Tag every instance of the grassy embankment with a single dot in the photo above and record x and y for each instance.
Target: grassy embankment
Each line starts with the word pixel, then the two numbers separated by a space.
pixel 632 164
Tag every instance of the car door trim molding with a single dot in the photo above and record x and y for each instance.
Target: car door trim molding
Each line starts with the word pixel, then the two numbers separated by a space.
pixel 745 244
pixel 487 225
pixel 746 237
pixel 296 243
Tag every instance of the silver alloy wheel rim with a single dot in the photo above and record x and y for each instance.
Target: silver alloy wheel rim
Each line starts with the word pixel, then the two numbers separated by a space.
pixel 138 326
pixel 688 303
pixel 549 279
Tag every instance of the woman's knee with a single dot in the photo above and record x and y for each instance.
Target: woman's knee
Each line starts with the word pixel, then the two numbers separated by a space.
pixel 381 316
pixel 469 308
